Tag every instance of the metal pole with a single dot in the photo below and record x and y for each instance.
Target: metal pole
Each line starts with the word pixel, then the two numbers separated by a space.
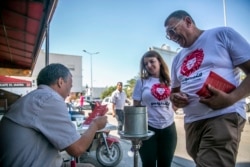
pixel 91 77
pixel 91 71
pixel 224 11
pixel 47 46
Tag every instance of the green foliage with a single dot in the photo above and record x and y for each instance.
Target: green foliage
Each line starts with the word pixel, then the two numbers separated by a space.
pixel 129 87
pixel 242 76
pixel 108 92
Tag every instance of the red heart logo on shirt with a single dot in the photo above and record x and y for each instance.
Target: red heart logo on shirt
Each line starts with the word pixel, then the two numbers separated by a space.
pixel 160 91
pixel 192 62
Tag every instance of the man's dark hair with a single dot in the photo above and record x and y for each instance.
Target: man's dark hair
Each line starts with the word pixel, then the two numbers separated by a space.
pixel 179 14
pixel 119 83
pixel 51 73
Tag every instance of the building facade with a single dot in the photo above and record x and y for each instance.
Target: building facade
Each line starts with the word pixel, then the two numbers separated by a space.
pixel 73 62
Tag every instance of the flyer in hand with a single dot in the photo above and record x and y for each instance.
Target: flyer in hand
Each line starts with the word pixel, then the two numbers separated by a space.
pixel 99 110
pixel 217 82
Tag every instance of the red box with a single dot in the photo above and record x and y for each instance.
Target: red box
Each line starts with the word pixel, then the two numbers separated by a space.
pixel 217 82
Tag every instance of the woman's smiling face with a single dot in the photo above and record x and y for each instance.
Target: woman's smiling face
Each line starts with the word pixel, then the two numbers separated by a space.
pixel 152 65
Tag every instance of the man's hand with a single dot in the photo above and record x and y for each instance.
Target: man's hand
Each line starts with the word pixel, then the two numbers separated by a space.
pixel 77 148
pixel 217 100
pixel 100 122
pixel 179 99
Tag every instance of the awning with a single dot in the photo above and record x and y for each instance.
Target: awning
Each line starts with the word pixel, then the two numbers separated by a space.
pixel 9 82
pixel 23 25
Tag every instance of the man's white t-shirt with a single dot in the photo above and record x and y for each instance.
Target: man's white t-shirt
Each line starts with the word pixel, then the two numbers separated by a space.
pixel 119 99
pixel 218 50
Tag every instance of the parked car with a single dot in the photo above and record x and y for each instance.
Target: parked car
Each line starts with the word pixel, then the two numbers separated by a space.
pixel 107 100
pixel 89 102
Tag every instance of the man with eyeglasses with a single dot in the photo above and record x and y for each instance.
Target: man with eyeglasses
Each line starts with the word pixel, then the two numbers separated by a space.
pixel 206 84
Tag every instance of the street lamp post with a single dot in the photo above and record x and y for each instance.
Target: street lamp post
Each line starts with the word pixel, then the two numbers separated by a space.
pixel 224 11
pixel 91 73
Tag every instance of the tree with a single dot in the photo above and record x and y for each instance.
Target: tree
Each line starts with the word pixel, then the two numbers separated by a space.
pixel 108 92
pixel 129 87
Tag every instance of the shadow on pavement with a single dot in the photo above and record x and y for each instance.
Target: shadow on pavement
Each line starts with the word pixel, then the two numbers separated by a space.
pixel 182 162
pixel 243 164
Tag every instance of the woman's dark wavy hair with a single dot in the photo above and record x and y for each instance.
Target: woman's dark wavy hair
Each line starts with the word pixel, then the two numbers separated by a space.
pixel 164 72
pixel 51 73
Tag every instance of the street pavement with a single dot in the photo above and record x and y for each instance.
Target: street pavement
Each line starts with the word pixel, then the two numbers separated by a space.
pixel 181 158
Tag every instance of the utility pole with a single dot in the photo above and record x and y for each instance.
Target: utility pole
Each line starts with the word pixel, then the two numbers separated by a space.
pixel 91 72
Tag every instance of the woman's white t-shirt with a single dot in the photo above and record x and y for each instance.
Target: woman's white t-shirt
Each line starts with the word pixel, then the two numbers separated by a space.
pixel 155 97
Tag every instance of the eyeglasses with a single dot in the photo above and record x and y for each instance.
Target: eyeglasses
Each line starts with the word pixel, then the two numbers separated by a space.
pixel 171 31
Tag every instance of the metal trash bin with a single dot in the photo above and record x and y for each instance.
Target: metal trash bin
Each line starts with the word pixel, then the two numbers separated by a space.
pixel 135 121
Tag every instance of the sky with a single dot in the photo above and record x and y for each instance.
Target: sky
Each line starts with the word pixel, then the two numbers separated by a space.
pixel 123 30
